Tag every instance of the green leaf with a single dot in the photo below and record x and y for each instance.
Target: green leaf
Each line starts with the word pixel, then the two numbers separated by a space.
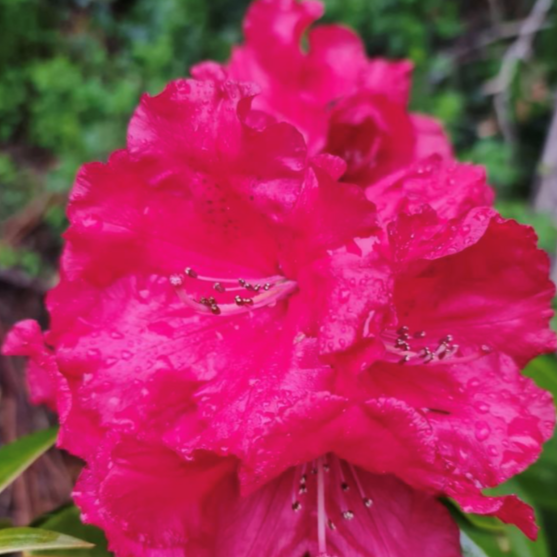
pixel 13 540
pixel 469 547
pixel 67 521
pixel 509 542
pixel 537 481
pixel 543 370
pixel 16 457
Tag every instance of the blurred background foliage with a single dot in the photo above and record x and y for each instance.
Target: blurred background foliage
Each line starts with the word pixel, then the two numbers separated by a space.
pixel 71 72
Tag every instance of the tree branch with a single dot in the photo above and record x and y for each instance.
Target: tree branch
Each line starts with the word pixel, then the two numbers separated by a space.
pixel 519 51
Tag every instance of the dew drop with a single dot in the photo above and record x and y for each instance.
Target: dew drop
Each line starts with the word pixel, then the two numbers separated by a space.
pixel 344 295
pixel 482 407
pixel 482 431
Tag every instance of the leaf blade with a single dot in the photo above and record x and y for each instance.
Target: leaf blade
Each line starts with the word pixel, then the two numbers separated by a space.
pixel 13 540
pixel 16 457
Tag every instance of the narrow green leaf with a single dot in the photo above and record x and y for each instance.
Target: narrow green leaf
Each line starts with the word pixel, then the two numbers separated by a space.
pixel 14 540
pixel 16 457
pixel 469 547
pixel 67 520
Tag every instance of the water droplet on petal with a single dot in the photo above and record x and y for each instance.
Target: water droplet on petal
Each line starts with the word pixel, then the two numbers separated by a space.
pixel 482 407
pixel 482 431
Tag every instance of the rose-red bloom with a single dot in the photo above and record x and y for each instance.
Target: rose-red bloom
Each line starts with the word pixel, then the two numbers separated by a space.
pixel 341 101
pixel 210 254
pixel 254 357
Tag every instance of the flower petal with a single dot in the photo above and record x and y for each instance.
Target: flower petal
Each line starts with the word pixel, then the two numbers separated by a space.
pixel 450 188
pixel 400 521
pixel 45 384
pixel 469 279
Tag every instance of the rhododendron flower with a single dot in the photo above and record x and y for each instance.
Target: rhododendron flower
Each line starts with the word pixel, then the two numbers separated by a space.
pixel 255 357
pixel 341 101
pixel 222 254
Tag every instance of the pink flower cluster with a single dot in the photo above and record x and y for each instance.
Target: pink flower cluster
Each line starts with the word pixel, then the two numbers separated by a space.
pixel 288 321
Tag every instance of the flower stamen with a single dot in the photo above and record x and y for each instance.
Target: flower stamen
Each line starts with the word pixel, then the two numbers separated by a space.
pixel 368 502
pixel 263 292
pixel 410 348
pixel 338 487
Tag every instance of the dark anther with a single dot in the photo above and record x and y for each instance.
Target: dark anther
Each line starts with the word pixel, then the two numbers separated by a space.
pixel 190 272
pixel 215 309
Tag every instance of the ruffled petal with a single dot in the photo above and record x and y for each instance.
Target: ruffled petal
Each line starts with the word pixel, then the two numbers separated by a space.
pixel 202 127
pixel 133 349
pixel 487 422
pixel 480 279
pixel 150 502
pixel 79 431
pixel 341 101
pixel 432 138
pixel 373 134
pixel 45 384
pixel 451 189
pixel 352 302
pixel 510 509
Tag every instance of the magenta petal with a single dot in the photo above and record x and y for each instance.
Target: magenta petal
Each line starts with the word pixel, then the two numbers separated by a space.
pixel 43 378
pixel 398 523
pixel 341 101
pixel 468 279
